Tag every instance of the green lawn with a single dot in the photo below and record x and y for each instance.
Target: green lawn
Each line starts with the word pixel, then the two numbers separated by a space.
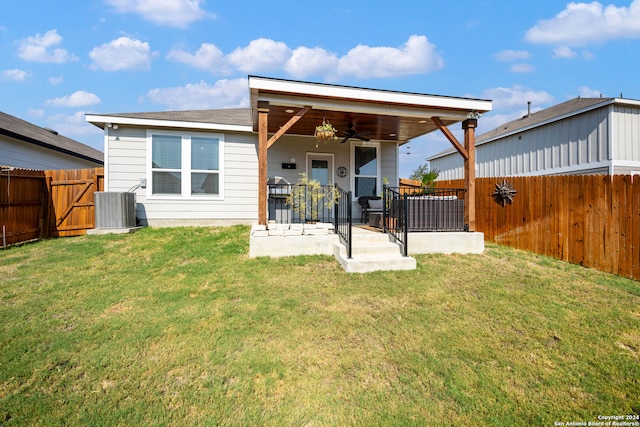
pixel 180 327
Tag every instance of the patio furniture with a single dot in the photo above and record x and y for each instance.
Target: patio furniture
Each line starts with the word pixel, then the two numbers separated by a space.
pixel 363 201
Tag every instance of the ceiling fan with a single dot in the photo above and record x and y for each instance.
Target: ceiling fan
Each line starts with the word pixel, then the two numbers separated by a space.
pixel 350 133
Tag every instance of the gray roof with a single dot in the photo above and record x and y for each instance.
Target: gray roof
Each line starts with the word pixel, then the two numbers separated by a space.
pixel 19 129
pixel 557 112
pixel 230 116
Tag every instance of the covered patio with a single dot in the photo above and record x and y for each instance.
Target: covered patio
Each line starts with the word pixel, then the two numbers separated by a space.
pixel 292 108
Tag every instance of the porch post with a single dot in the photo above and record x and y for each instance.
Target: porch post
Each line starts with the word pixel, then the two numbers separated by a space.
pixel 469 127
pixel 263 121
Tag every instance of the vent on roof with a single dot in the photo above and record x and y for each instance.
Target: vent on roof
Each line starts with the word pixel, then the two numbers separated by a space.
pixel 55 132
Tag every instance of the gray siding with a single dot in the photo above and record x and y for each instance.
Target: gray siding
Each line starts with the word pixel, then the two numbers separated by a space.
pixel 22 154
pixel 574 145
pixel 626 133
pixel 292 147
pixel 126 165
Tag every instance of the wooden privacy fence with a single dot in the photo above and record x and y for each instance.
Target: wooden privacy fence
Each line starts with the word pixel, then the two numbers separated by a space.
pixel 590 220
pixel 41 204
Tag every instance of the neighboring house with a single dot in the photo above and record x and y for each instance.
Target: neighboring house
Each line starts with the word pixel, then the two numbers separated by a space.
pixel 25 145
pixel 211 167
pixel 579 136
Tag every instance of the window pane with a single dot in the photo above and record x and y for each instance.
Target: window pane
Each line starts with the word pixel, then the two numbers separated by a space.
pixel 204 153
pixel 320 171
pixel 366 162
pixel 167 182
pixel 366 187
pixel 204 183
pixel 166 152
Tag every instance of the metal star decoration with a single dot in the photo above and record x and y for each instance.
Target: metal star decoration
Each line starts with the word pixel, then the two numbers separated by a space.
pixel 504 193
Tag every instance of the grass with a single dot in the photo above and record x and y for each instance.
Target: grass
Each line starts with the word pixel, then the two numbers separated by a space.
pixel 180 327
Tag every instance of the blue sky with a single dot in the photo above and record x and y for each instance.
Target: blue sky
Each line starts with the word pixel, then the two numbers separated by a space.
pixel 62 59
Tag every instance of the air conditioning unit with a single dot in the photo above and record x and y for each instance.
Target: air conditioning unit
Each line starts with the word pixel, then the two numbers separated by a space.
pixel 115 210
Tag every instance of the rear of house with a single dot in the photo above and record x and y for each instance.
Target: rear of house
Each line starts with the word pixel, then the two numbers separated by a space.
pixel 186 167
pixel 201 167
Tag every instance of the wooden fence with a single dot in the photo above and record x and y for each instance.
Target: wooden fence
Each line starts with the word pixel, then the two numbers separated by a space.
pixel 41 204
pixel 590 220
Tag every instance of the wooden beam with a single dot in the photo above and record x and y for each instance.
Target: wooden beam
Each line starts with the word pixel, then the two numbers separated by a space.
pixel 445 130
pixel 263 122
pixel 292 121
pixel 469 127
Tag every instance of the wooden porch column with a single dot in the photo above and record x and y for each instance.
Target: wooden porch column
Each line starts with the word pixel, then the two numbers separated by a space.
pixel 263 121
pixel 469 127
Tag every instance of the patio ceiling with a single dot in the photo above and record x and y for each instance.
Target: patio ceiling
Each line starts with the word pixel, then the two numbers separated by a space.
pixel 375 114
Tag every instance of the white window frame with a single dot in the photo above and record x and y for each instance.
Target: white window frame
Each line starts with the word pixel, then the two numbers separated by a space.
pixel 355 144
pixel 186 169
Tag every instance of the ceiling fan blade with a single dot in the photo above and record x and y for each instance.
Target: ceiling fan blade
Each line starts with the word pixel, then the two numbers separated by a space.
pixel 344 140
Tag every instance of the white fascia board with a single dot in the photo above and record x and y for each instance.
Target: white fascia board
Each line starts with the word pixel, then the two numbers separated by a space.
pixel 625 101
pixel 372 95
pixel 165 123
pixel 360 107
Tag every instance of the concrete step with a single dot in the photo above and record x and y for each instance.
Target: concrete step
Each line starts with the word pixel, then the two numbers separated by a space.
pixel 372 252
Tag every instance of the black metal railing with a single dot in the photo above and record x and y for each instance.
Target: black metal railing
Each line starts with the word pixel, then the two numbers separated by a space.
pixel 289 204
pixel 435 209
pixel 343 218
pixel 394 216
pixel 294 204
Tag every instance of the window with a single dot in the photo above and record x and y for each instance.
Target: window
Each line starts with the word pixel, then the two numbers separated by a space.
pixel 365 159
pixel 185 165
pixel 205 155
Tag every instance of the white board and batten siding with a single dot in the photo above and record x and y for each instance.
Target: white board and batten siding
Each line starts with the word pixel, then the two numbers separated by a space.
pixel 126 165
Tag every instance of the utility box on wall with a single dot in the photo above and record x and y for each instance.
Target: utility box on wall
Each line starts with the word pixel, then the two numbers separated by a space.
pixel 115 210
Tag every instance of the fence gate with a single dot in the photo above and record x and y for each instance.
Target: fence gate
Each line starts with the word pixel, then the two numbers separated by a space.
pixel 71 203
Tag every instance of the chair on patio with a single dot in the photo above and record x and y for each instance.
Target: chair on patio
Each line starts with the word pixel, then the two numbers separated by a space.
pixel 368 207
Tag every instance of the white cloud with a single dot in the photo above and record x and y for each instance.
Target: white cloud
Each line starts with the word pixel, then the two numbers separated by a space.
pixel 56 80
pixel 33 112
pixel 75 126
pixel 76 99
pixel 584 23
pixel 586 92
pixel 512 55
pixel 207 57
pixel 123 53
pixel 260 55
pixel 41 48
pixel 516 97
pixel 522 68
pixel 416 56
pixel 172 13
pixel 306 62
pixel 15 75
pixel 224 94
pixel 563 52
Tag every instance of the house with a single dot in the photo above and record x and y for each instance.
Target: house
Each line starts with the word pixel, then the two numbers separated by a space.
pixel 25 145
pixel 212 167
pixel 579 136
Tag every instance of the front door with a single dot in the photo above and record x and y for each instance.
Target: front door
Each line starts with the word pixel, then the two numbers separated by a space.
pixel 320 168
